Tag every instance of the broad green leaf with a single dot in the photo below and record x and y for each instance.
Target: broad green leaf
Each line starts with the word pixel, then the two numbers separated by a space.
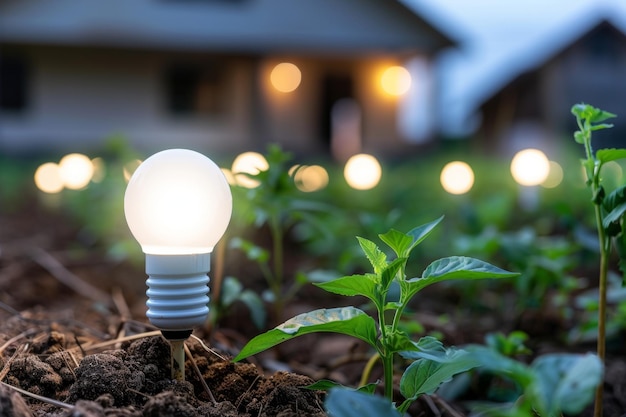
pixel 566 382
pixel 352 285
pixel 463 267
pixel 397 241
pixel 601 126
pixel 390 272
pixel 456 267
pixel 345 320
pixel 599 115
pixel 376 257
pixel 612 154
pixel 496 363
pixel 343 402
pixel 427 347
pixel 424 376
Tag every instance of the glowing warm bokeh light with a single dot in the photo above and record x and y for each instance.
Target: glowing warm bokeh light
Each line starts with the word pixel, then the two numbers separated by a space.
pixel 248 163
pixel 555 176
pixel 396 80
pixel 311 178
pixel 229 176
pixel 285 77
pixel 362 171
pixel 530 167
pixel 76 171
pixel 457 177
pixel 99 169
pixel 130 167
pixel 48 178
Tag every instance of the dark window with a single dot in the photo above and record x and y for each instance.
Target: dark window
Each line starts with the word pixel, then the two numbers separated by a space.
pixel 13 83
pixel 194 90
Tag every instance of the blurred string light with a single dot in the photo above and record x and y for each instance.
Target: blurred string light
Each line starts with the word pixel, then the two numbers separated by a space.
pixel 76 171
pixel 530 167
pixel 229 176
pixel 555 176
pixel 395 80
pixel 129 168
pixel 99 169
pixel 285 77
pixel 457 177
pixel 362 172
pixel 248 163
pixel 48 178
pixel 309 178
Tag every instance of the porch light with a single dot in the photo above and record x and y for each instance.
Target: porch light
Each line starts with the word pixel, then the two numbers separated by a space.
pixel 286 77
pixel 395 80
pixel 177 205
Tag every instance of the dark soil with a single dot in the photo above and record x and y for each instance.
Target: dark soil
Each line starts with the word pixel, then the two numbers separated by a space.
pixel 74 338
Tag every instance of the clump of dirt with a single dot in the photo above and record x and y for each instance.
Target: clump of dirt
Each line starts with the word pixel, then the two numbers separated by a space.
pixel 134 381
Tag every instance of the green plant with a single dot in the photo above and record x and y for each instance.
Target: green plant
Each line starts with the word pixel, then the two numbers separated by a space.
pixel 432 364
pixel 609 211
pixel 278 205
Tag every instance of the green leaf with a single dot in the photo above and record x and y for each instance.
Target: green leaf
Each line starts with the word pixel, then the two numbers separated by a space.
pixel 579 137
pixel 494 362
pixel 598 115
pixel 376 257
pixel 601 126
pixel 610 154
pixel 428 347
pixel 456 267
pixel 345 320
pixel 566 383
pixel 611 222
pixel 421 232
pixel 343 402
pixel 424 376
pixel 352 285
pixel 463 267
pixel 390 272
pixel 397 241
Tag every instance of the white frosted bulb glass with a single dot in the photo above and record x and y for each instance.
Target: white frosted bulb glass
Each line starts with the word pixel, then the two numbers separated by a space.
pixel 177 205
pixel 178 202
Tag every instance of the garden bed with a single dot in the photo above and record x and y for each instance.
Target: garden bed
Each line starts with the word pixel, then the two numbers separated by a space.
pixel 73 332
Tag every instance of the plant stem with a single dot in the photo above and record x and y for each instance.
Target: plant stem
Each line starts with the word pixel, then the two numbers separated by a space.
pixel 388 375
pixel 601 348
pixel 367 370
pixel 178 359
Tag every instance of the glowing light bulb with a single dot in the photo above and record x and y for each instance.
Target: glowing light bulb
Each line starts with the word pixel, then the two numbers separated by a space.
pixel 362 171
pixel 395 80
pixel 530 167
pixel 248 163
pixel 177 205
pixel 285 77
pixel 48 178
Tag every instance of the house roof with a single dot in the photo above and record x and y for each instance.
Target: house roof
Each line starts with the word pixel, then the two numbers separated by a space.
pixel 246 26
pixel 465 96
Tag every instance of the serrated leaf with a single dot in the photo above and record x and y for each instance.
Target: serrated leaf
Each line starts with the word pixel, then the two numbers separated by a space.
pixel 350 321
pixel 566 382
pixel 424 376
pixel 352 285
pixel 377 258
pixel 610 154
pixel 343 402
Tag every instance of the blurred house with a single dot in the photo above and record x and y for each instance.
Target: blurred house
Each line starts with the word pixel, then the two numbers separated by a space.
pixel 199 73
pixel 526 100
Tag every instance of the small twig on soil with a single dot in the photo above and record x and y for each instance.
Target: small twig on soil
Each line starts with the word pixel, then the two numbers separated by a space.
pixel 194 365
pixel 15 339
pixel 57 270
pixel 39 397
pixel 123 339
pixel 208 349
pixel 7 365
pixel 247 391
